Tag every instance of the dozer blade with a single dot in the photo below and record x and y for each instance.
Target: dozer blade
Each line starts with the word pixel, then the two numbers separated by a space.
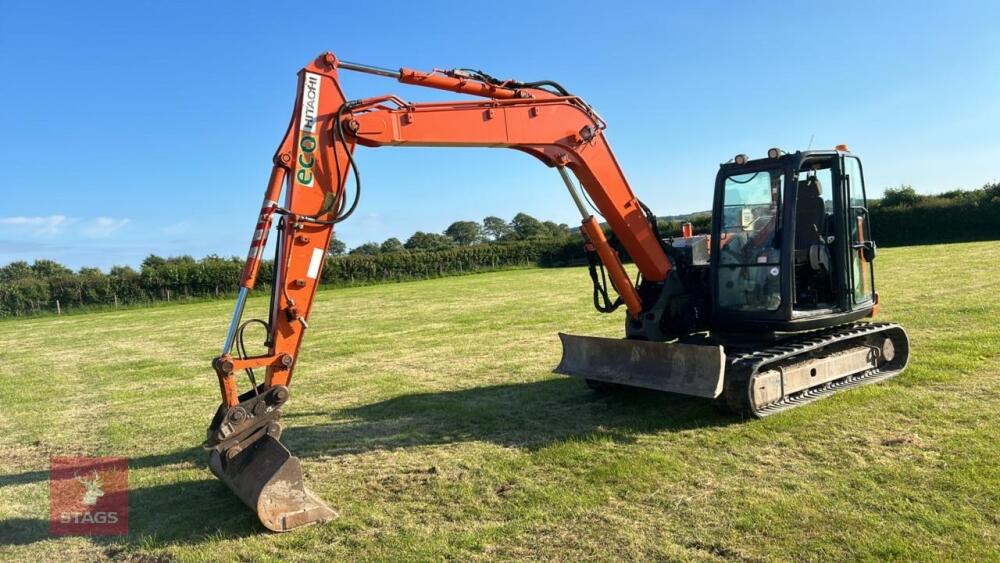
pixel 268 478
pixel 688 369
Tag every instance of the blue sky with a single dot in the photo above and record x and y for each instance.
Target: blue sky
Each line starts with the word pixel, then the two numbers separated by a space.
pixel 140 127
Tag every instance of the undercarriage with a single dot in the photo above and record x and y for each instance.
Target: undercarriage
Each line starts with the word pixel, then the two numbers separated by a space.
pixel 749 380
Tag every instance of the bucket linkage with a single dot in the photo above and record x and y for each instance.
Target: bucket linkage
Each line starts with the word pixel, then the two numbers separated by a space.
pixel 246 454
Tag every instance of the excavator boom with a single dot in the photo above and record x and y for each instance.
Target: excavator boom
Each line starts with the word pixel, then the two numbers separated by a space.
pixel 313 165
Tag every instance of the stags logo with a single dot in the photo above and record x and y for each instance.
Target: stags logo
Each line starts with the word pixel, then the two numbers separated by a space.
pixel 308 115
pixel 92 488
pixel 89 496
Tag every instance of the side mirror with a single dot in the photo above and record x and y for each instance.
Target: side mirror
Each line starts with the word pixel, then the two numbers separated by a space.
pixel 868 250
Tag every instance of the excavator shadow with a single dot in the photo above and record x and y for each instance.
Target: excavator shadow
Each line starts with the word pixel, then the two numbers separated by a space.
pixel 527 415
pixel 184 511
pixel 176 513
pixel 530 415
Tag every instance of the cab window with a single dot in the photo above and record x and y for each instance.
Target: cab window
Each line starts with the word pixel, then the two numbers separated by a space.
pixel 749 257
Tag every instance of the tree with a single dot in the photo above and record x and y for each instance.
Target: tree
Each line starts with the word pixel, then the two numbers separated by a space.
pixel 153 261
pixel 366 249
pixel 556 230
pixel 337 247
pixel 427 241
pixel 182 260
pixel 903 196
pixel 496 228
pixel 392 245
pixel 49 268
pixel 465 232
pixel 527 227
pixel 15 271
pixel 991 192
pixel 701 223
pixel 27 294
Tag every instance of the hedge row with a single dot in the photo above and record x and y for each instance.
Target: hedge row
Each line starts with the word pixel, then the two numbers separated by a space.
pixel 902 218
pixel 400 266
pixel 965 222
pixel 26 290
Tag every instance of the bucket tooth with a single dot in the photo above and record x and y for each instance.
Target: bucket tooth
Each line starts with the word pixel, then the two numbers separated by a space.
pixel 268 479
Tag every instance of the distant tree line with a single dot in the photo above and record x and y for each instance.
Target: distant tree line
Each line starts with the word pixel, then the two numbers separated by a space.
pixel 492 230
pixel 901 217
pixel 904 217
pixel 464 247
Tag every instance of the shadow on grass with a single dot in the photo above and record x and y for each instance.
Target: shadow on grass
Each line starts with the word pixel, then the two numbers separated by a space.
pixel 180 512
pixel 525 415
pixel 176 513
pixel 190 455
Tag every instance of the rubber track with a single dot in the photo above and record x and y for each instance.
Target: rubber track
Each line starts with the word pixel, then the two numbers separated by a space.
pixel 744 367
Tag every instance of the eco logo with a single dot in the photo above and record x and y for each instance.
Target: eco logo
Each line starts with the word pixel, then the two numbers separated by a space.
pixel 89 496
pixel 308 114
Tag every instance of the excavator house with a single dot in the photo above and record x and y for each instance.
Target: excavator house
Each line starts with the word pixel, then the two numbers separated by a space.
pixel 768 311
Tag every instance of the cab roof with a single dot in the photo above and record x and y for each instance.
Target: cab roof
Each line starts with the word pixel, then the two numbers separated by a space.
pixel 785 158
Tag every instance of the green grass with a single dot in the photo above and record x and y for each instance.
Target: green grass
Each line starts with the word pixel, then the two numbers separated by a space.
pixel 426 413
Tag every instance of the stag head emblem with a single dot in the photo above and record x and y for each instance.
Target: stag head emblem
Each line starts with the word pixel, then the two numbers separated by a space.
pixel 92 488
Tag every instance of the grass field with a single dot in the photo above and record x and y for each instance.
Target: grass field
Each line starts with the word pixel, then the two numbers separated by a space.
pixel 427 415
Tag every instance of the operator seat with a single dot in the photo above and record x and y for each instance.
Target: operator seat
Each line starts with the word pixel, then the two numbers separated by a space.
pixel 810 221
pixel 810 213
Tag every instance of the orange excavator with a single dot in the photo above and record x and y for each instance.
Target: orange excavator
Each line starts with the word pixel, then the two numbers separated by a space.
pixel 765 313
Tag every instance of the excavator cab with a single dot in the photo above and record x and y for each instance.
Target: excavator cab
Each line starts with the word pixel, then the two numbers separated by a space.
pixel 761 313
pixel 792 243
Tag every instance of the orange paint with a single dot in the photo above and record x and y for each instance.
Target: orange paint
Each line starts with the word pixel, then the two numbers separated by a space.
pixel 313 165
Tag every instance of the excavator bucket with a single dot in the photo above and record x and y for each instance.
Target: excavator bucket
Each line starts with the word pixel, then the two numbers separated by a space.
pixel 688 369
pixel 268 479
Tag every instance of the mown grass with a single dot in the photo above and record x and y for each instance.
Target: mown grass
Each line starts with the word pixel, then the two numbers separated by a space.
pixel 426 413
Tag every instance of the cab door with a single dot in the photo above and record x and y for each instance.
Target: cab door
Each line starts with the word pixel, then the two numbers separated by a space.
pixel 860 242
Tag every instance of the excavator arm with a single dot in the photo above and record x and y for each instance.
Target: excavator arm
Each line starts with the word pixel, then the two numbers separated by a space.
pixel 314 165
